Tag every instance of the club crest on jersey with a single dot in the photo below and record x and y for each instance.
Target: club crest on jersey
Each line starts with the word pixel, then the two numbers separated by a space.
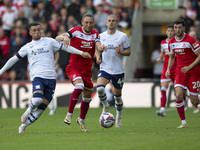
pixel 184 46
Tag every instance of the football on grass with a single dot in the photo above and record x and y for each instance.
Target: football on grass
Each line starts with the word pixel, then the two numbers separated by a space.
pixel 107 120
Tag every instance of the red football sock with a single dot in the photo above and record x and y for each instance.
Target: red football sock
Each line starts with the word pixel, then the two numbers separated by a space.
pixel 84 109
pixel 196 106
pixel 74 99
pixel 163 98
pixel 180 109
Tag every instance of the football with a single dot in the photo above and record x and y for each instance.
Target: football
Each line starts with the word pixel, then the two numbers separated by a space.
pixel 107 120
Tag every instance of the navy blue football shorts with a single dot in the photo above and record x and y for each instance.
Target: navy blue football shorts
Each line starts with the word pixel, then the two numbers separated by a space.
pixel 46 85
pixel 117 79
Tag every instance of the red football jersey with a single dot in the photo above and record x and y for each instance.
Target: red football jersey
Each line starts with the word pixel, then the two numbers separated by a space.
pixel 184 50
pixel 85 42
pixel 165 49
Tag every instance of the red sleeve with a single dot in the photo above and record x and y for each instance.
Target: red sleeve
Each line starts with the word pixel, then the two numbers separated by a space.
pixel 194 44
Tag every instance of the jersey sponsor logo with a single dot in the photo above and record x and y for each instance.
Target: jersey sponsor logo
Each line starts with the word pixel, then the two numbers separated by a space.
pixel 110 46
pixel 86 44
pixel 179 51
pixel 195 45
pixel 166 51
pixel 39 51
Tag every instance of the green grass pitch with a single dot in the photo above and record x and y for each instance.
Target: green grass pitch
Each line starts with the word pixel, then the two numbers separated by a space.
pixel 142 130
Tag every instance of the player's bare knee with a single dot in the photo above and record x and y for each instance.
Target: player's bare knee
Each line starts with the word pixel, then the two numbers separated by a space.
pixel 179 96
pixel 45 101
pixel 194 100
pixel 101 89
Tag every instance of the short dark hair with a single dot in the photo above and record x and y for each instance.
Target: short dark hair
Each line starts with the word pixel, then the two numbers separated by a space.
pixel 179 21
pixel 87 15
pixel 170 26
pixel 33 24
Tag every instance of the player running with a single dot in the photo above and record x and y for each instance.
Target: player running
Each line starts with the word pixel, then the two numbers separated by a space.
pixel 40 52
pixel 111 67
pixel 79 71
pixel 164 80
pixel 187 52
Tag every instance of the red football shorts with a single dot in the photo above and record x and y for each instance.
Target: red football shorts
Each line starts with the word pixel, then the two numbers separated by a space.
pixel 75 73
pixel 163 78
pixel 188 80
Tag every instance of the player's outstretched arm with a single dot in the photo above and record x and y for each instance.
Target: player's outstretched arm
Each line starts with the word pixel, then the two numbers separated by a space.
pixel 73 50
pixel 9 64
pixel 64 38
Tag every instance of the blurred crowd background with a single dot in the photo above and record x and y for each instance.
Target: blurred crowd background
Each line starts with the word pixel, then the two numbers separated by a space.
pixel 55 17
pixel 58 16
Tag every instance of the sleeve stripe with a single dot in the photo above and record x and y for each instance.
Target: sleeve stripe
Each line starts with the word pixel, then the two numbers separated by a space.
pixel 127 48
pixel 18 56
pixel 60 46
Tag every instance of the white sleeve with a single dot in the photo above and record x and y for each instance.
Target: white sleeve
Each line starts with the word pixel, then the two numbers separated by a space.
pixel 125 43
pixel 72 50
pixel 9 64
pixel 55 44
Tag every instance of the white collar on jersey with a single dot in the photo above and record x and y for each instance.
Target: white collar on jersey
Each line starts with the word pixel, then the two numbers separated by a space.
pixel 180 39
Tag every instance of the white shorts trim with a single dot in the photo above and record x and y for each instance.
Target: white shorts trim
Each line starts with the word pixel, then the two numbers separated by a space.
pixel 91 89
pixel 76 78
pixel 194 94
pixel 165 80
pixel 180 85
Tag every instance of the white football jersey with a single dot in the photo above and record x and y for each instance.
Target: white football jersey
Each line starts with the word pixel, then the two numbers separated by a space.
pixel 112 61
pixel 40 55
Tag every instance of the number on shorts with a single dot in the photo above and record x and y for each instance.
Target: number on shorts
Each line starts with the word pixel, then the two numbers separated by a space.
pixel 120 81
pixel 196 84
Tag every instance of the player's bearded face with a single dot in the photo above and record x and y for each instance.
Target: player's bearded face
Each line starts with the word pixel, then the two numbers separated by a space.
pixel 179 30
pixel 88 24
pixel 35 32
